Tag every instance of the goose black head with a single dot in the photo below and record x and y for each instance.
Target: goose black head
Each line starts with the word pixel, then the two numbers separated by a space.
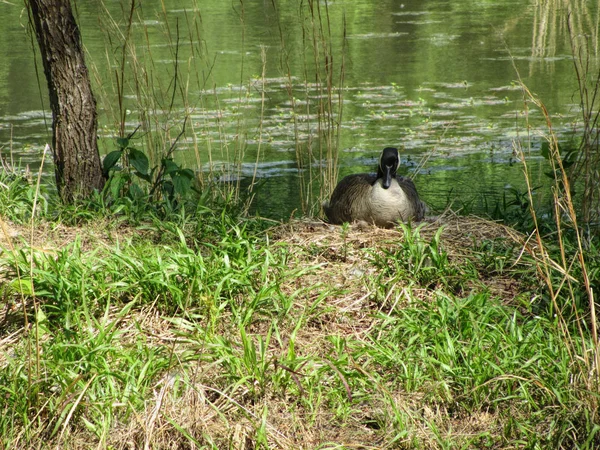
pixel 388 165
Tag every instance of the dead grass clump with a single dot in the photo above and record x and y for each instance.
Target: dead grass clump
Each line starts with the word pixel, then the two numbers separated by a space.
pixel 459 232
pixel 342 257
pixel 50 236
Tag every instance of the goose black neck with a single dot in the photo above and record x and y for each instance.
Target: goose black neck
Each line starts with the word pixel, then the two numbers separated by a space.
pixel 388 166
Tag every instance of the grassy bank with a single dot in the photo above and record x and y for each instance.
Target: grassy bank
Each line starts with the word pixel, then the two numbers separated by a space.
pixel 211 330
pixel 159 315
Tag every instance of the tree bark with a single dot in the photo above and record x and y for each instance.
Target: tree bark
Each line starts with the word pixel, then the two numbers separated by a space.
pixel 78 168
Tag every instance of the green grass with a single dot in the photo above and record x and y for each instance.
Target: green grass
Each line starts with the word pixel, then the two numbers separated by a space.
pixel 204 328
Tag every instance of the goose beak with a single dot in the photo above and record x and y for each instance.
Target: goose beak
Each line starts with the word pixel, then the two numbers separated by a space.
pixel 387 178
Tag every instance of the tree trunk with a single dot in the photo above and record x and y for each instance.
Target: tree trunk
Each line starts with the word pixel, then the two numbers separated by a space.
pixel 74 125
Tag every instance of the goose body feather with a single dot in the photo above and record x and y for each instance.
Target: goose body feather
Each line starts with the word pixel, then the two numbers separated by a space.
pixel 364 197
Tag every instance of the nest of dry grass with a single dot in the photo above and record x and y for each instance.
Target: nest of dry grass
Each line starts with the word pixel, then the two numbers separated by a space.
pixel 340 255
pixel 459 232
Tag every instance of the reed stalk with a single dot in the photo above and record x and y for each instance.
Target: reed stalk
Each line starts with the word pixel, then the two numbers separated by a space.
pixel 323 74
pixel 138 94
pixel 263 57
pixel 557 273
pixel 585 173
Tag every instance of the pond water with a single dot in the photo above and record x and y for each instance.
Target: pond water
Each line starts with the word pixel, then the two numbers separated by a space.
pixel 278 95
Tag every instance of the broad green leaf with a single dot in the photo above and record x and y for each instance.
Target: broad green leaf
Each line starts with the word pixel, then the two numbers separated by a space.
pixel 41 323
pixel 167 187
pixel 546 150
pixel 116 181
pixel 135 191
pixel 23 286
pixel 181 183
pixel 111 159
pixel 115 188
pixel 123 143
pixel 187 173
pixel 139 160
pixel 144 176
pixel 170 166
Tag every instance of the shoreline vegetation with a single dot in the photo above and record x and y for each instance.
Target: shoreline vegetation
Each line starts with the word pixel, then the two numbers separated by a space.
pixel 211 329
pixel 159 314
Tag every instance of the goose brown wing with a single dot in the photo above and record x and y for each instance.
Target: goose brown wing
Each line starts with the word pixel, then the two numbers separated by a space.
pixel 348 198
pixel 410 190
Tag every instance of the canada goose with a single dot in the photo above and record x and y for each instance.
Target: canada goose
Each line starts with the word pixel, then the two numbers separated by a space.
pixel 383 198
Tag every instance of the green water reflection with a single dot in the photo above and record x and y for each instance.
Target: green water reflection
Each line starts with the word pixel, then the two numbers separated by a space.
pixel 434 78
